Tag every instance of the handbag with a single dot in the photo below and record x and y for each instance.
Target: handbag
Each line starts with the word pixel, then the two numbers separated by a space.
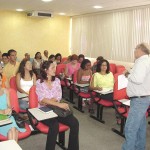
pixel 61 112
pixel 20 123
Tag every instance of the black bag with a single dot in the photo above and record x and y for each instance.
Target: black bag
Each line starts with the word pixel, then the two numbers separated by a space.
pixel 20 123
pixel 61 112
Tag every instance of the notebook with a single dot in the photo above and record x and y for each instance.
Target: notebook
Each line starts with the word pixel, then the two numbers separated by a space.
pixel 3 117
pixel 45 109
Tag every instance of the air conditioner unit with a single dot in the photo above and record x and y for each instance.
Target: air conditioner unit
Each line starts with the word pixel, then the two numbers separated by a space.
pixel 39 14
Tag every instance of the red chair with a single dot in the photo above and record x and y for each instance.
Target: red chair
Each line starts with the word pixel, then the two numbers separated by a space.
pixel 121 110
pixel 13 84
pixel 33 103
pixel 112 68
pixel 64 59
pixel 101 103
pixel 60 69
pixel 81 95
pixel 120 69
pixel 15 105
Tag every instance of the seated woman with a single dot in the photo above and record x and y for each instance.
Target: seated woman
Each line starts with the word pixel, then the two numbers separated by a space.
pixel 51 58
pixel 25 79
pixel 103 79
pixel 49 92
pixel 84 73
pixel 5 83
pixel 72 66
pixel 95 64
pixel 80 58
pixel 37 61
pixel 10 130
pixel 58 58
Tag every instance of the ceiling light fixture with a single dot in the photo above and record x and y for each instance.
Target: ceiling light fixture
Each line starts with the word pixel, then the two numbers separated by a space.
pixel 97 7
pixel 19 9
pixel 47 0
pixel 62 13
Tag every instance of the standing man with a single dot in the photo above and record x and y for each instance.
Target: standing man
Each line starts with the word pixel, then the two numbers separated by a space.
pixel 45 57
pixel 138 90
pixel 11 68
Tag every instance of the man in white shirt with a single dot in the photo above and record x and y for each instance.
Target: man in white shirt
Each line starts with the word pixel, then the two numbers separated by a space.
pixel 138 90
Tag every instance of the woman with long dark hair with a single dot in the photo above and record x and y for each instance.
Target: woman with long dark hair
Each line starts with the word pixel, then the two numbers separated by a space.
pixel 49 92
pixel 103 79
pixel 25 79
pixel 37 61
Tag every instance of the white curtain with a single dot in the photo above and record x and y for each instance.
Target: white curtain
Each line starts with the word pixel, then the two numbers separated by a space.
pixel 113 35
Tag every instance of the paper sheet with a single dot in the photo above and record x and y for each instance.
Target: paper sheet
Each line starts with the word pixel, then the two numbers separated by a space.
pixel 122 82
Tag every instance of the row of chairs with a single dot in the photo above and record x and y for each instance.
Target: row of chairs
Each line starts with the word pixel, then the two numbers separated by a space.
pixel 73 88
pixel 120 109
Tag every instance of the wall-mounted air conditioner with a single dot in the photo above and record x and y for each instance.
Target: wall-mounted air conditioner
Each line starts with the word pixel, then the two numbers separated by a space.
pixel 39 14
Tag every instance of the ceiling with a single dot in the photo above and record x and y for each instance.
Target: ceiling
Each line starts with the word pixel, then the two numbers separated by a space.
pixel 70 7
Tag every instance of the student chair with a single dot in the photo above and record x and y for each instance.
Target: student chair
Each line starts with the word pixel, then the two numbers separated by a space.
pixel 63 59
pixel 60 69
pixel 33 103
pixel 121 110
pixel 12 83
pixel 80 94
pixel 15 106
pixel 112 68
pixel 120 69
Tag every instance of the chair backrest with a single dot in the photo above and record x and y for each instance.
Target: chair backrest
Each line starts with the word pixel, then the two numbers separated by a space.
pixel 63 59
pixel 112 68
pixel 74 77
pixel 60 69
pixel 33 99
pixel 119 94
pixel 13 84
pixel 14 100
pixel 120 69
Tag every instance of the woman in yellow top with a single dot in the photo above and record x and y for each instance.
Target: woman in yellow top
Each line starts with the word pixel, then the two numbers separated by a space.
pixel 103 79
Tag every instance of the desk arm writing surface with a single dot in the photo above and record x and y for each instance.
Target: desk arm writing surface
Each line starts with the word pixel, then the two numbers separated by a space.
pixel 34 122
pixel 125 107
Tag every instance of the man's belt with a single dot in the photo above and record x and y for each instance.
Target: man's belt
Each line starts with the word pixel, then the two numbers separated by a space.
pixel 139 96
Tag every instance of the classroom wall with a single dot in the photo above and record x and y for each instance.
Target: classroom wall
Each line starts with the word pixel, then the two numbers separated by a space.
pixel 31 34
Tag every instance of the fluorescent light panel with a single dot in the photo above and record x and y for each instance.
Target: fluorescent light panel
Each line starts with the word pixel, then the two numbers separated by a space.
pixel 97 7
pixel 47 0
pixel 62 13
pixel 19 9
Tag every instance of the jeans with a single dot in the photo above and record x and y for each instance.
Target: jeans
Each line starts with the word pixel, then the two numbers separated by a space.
pixel 23 104
pixel 135 127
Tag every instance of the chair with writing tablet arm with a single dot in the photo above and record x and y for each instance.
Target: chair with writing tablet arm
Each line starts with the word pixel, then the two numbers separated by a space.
pixel 13 85
pixel 78 90
pixel 60 69
pixel 15 106
pixel 37 125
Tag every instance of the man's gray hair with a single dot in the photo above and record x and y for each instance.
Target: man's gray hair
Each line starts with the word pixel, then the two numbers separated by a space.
pixel 143 47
